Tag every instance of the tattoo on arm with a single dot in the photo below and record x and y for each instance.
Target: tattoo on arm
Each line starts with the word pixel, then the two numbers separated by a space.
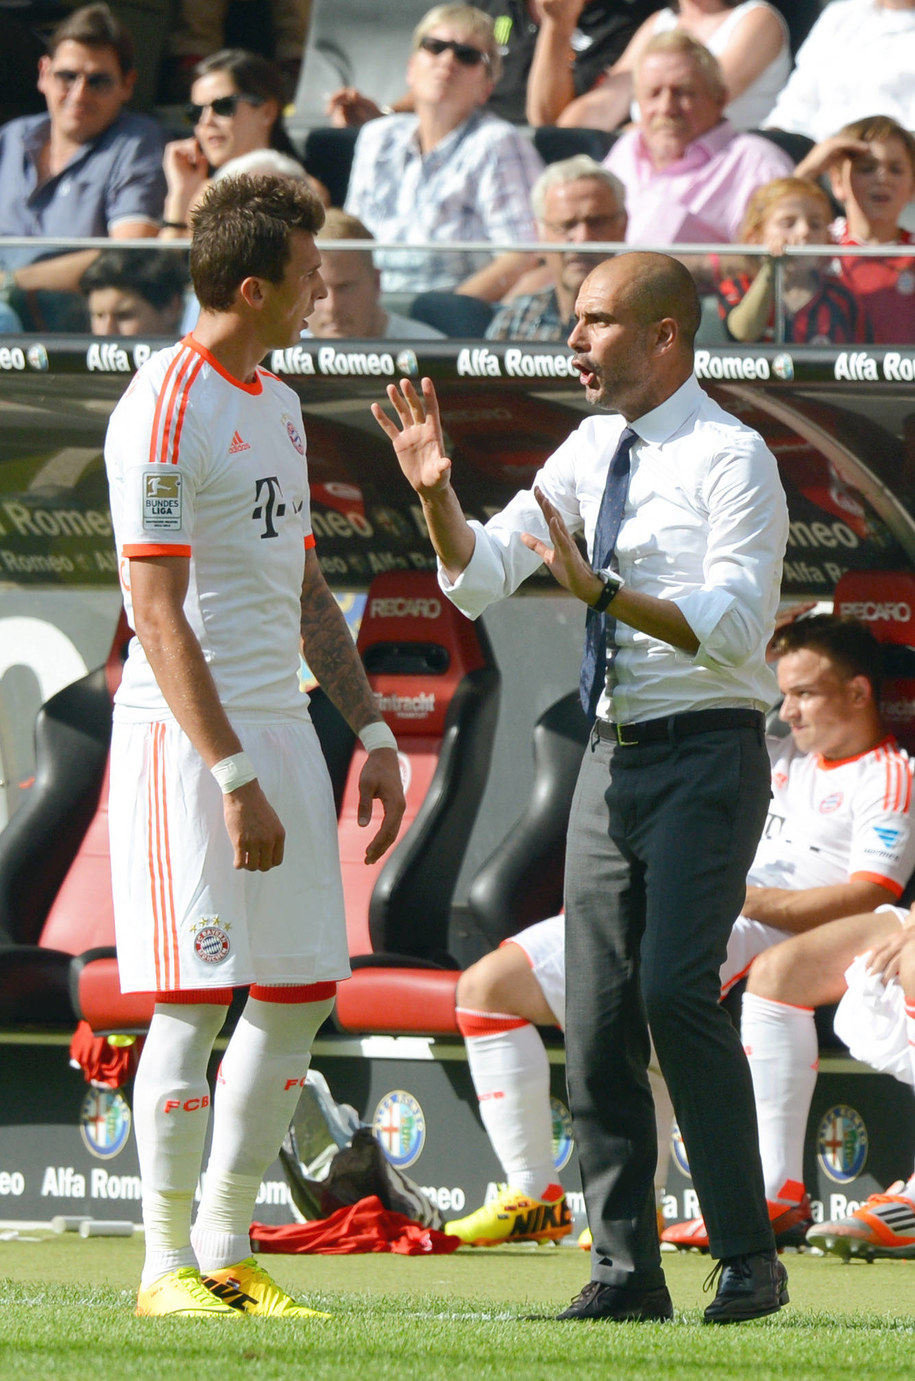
pixel 331 653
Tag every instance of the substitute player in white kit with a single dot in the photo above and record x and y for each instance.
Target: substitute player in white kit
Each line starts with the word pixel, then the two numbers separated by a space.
pixel 223 832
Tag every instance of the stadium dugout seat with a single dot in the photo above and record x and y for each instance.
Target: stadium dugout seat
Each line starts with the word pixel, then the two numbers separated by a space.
pixel 555 142
pixel 438 685
pixel 55 893
pixel 456 314
pixel 521 882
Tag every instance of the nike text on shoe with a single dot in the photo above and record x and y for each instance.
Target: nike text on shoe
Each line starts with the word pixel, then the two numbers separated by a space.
pixel 884 1226
pixel 749 1287
pixel 611 1304
pixel 248 1288
pixel 181 1294
pixel 514 1217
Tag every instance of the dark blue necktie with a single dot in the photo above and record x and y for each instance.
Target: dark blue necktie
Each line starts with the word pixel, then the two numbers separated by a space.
pixel 599 627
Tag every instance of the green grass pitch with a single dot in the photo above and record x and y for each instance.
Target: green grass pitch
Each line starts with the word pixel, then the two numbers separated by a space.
pixel 66 1314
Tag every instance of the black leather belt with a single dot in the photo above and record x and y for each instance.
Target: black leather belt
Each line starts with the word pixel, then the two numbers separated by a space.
pixel 676 726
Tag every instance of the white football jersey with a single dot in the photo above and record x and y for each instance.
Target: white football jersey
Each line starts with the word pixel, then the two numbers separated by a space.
pixel 832 821
pixel 204 466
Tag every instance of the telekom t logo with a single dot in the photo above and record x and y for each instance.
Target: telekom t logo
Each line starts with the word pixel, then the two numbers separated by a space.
pixel 268 500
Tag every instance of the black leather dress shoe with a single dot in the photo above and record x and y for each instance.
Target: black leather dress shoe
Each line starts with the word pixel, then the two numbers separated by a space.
pixel 749 1287
pixel 610 1302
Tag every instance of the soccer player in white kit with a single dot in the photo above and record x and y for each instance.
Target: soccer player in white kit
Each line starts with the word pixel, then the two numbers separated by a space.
pixel 838 839
pixel 224 856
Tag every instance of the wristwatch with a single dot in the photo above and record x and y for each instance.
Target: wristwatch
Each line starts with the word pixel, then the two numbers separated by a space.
pixel 613 583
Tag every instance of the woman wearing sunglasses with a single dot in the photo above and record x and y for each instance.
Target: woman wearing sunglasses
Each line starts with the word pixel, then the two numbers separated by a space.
pixel 235 108
pixel 449 172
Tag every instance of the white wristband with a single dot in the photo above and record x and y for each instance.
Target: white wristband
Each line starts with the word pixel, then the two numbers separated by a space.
pixel 377 735
pixel 233 772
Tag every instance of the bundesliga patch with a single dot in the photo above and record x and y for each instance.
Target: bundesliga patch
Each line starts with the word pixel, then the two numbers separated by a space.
pixel 161 501
pixel 211 943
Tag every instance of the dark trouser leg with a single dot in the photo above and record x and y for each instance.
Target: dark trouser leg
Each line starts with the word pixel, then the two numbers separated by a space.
pixel 607 1045
pixel 650 919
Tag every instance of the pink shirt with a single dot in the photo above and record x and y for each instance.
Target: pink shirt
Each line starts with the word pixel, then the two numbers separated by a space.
pixel 701 198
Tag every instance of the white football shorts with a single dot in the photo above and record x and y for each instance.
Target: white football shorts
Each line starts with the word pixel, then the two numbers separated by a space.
pixel 746 940
pixel 544 944
pixel 185 918
pixel 870 1018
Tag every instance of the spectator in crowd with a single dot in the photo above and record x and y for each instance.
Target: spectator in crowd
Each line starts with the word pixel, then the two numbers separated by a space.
pixel 236 108
pixel 818 309
pixel 858 57
pixel 688 174
pixel 449 172
pixel 577 200
pixel 86 168
pixel 352 305
pixel 199 28
pixel 748 37
pixel 871 168
pixel 567 42
pixel 135 292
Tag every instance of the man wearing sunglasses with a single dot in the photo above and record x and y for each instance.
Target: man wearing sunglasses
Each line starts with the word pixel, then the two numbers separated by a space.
pixel 449 172
pixel 87 167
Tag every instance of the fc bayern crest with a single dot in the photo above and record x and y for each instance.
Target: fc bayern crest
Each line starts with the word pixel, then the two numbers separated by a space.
pixel 104 1122
pixel 842 1144
pixel 399 1125
pixel 212 944
pixel 563 1141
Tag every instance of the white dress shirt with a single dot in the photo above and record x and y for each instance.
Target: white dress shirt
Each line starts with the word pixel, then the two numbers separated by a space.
pixel 857 60
pixel 705 525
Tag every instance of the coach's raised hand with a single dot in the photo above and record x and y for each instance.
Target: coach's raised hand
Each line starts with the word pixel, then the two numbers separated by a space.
pixel 416 436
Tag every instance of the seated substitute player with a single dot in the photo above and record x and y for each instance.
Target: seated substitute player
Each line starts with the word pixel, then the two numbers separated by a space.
pixel 225 869
pixel 867 964
pixel 836 782
pixel 852 788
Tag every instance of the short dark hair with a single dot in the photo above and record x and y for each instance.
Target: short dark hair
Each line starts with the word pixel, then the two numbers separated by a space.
pixel 848 643
pixel 241 229
pixel 156 275
pixel 96 27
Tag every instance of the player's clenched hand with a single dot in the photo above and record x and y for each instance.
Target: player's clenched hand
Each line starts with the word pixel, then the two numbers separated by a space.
pixel 256 833
pixel 380 780
pixel 563 558
pixel 416 435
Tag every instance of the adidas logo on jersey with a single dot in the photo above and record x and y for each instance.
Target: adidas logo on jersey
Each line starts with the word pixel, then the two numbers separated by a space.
pixel 238 444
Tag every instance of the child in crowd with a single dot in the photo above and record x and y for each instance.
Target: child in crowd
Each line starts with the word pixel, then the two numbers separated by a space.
pixel 818 308
pixel 871 169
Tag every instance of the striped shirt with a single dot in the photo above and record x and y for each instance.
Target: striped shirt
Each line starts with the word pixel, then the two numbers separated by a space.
pixel 535 316
pixel 474 185
pixel 205 467
pixel 833 316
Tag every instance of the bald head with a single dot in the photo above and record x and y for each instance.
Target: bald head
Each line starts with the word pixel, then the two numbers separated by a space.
pixel 651 287
pixel 638 315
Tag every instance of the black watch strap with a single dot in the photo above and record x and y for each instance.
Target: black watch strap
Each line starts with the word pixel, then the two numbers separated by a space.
pixel 613 583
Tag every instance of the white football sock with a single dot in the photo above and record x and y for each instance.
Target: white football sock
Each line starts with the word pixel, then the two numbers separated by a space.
pixel 171 1100
pixel 258 1086
pixel 511 1075
pixel 781 1045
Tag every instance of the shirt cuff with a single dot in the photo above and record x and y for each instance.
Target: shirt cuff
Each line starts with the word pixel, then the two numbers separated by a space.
pixel 480 582
pixel 704 611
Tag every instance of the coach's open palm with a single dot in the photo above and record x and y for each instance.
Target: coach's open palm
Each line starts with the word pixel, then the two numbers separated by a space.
pixel 418 442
